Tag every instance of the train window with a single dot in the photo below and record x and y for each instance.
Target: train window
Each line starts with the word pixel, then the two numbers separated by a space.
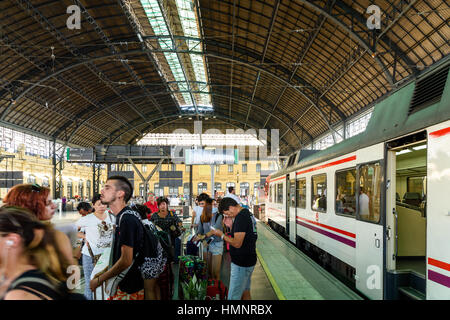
pixel 369 203
pixel 319 192
pixel 270 193
pixel 279 193
pixel 301 193
pixel 345 192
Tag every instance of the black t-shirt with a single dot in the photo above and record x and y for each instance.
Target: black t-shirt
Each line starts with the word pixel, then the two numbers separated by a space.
pixel 245 256
pixel 130 234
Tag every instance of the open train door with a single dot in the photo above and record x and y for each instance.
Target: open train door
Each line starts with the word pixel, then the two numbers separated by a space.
pixel 438 212
pixel 369 221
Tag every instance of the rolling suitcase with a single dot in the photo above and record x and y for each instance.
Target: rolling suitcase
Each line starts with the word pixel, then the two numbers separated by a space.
pixel 216 290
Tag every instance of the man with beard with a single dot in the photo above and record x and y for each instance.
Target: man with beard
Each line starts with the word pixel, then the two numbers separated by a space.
pixel 127 239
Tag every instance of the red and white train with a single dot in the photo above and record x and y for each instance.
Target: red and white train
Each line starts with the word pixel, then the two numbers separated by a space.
pixel 375 208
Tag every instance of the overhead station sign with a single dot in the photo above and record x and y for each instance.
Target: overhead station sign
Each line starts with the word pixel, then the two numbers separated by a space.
pixel 80 154
pixel 170 178
pixel 211 156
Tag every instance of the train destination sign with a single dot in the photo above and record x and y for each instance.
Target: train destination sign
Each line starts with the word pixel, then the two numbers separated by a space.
pixel 208 156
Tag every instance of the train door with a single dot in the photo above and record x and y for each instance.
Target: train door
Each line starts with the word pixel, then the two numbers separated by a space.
pixel 369 223
pixel 292 205
pixel 438 212
pixel 406 218
pixel 286 205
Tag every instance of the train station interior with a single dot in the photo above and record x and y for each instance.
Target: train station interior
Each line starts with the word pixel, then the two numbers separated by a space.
pixel 327 121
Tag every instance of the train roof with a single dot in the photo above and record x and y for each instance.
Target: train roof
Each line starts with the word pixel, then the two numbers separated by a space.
pixel 391 118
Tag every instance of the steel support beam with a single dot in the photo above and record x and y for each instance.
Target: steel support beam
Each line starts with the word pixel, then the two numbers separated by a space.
pixel 352 34
pixel 232 56
pixel 96 175
pixel 298 63
pixel 114 51
pixel 289 126
pixel 266 45
pixel 219 116
pixel 71 47
pixel 58 167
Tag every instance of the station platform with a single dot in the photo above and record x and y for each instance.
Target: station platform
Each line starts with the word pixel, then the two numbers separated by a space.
pixel 282 271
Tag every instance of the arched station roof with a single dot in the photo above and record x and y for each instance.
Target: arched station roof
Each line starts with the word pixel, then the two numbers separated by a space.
pixel 296 65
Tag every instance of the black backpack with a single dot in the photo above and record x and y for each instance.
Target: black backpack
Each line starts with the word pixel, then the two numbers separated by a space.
pixel 150 241
pixel 132 281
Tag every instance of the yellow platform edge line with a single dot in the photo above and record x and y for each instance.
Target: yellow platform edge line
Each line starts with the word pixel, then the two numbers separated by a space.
pixel 272 281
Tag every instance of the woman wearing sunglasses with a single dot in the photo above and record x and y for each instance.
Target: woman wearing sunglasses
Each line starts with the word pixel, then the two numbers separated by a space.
pixel 97 231
pixel 38 200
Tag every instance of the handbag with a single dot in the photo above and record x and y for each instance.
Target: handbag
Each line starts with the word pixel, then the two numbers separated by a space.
pixel 175 232
pixel 94 257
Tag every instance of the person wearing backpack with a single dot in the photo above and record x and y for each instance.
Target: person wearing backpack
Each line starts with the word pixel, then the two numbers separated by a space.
pixel 26 248
pixel 128 237
pixel 153 266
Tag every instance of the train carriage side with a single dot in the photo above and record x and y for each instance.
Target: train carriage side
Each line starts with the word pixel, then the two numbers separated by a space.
pixel 372 208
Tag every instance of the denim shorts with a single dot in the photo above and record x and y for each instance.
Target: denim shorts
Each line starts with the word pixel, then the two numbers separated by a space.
pixel 215 247
pixel 240 279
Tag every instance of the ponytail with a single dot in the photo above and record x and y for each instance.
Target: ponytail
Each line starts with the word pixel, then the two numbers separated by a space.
pixel 45 255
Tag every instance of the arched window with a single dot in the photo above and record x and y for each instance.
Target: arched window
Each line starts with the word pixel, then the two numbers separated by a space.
pixel 256 189
pixel 244 188
pixel 186 188
pixel 45 182
pixel 141 189
pixel 173 191
pixel 231 184
pixel 31 179
pixel 88 189
pixel 159 192
pixel 69 189
pixel 202 187
pixel 81 189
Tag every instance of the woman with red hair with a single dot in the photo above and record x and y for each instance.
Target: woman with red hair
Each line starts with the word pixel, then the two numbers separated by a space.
pixel 38 200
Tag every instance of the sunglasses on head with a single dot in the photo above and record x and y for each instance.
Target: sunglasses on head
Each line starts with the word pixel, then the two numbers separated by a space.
pixel 36 188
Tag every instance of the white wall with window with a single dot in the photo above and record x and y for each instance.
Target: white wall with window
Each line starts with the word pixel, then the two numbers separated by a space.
pixel 13 140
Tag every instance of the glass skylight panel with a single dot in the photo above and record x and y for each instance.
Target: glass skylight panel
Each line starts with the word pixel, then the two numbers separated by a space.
pixel 156 20
pixel 190 29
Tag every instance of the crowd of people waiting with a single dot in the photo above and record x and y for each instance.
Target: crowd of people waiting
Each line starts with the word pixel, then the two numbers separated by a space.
pixel 35 256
